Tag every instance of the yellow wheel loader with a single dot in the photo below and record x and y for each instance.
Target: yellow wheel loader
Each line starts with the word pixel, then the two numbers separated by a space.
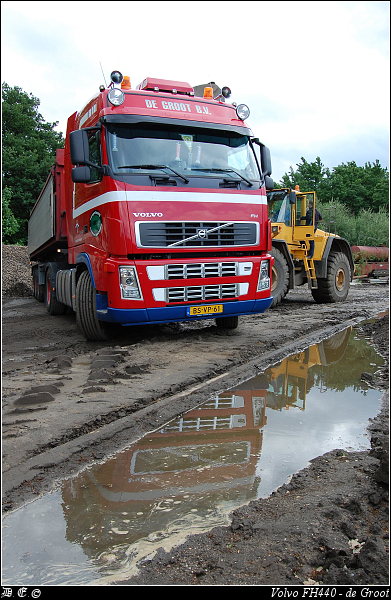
pixel 302 252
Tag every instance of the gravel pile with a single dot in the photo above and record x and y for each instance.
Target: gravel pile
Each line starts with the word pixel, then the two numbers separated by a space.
pixel 16 272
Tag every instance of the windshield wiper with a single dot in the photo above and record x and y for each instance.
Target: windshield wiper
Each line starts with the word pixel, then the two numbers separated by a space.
pixel 226 171
pixel 155 167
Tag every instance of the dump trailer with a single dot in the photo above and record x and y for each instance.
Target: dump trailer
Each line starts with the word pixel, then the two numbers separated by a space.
pixel 304 254
pixel 155 211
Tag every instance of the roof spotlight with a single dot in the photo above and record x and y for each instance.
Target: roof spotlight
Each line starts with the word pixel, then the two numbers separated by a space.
pixel 116 77
pixel 243 111
pixel 116 96
pixel 226 92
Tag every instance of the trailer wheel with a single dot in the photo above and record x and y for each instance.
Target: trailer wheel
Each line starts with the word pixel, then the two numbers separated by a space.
pixel 227 322
pixel 86 317
pixel 53 306
pixel 335 287
pixel 280 277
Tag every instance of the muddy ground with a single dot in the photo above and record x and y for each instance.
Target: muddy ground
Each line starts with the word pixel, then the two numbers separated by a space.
pixel 68 402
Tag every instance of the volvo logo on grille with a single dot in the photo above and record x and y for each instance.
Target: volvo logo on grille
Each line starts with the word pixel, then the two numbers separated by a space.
pixel 202 233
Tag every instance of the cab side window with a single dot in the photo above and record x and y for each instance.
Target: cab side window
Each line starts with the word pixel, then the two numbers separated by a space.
pixel 95 157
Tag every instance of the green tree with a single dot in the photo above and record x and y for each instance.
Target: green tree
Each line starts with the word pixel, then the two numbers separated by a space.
pixel 29 146
pixel 361 187
pixel 353 200
pixel 368 228
pixel 310 177
pixel 9 223
pixel 356 187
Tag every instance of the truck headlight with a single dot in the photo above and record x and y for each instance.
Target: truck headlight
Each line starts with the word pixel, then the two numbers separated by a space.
pixel 264 276
pixel 128 282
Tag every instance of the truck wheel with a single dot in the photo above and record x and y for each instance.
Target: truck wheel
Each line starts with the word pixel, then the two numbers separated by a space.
pixel 280 277
pixel 86 317
pixel 335 287
pixel 227 322
pixel 53 306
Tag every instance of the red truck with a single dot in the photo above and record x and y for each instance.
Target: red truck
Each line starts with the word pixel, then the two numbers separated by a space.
pixel 155 211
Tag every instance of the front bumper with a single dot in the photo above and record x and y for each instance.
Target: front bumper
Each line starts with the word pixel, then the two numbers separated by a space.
pixel 171 314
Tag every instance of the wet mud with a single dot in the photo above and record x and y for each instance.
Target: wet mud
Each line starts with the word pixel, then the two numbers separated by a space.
pixel 68 403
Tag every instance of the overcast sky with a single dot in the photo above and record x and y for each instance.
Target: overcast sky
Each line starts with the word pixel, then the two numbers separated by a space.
pixel 314 74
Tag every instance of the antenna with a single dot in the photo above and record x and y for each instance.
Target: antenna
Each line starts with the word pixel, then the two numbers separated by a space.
pixel 103 73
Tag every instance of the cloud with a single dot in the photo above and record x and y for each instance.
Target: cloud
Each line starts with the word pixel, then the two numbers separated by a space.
pixel 314 74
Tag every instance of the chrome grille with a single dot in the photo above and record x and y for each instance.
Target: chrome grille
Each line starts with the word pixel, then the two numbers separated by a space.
pixel 201 292
pixel 157 234
pixel 201 270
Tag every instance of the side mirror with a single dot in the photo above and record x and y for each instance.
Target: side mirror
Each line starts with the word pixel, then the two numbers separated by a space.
pixel 292 197
pixel 81 174
pixel 269 183
pixel 79 147
pixel 266 161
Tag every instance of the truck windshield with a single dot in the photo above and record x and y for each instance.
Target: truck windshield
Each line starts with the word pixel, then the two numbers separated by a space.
pixel 180 151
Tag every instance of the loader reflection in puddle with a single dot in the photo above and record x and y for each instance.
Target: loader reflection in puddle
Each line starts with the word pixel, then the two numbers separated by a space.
pixel 187 476
pixel 289 382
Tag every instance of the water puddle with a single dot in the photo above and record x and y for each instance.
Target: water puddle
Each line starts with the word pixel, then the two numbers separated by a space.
pixel 188 476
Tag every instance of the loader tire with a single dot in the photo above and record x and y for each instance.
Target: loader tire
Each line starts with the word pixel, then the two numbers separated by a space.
pixel 280 277
pixel 335 287
pixel 53 306
pixel 86 317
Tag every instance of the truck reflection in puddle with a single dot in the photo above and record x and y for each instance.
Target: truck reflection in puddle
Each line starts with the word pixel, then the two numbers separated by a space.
pixel 187 477
pixel 184 477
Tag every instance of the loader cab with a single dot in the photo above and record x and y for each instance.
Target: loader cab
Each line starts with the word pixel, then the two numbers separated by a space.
pixel 282 211
pixel 288 212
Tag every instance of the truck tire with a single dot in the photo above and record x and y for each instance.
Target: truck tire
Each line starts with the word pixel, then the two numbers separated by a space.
pixel 53 306
pixel 227 322
pixel 335 287
pixel 86 317
pixel 280 277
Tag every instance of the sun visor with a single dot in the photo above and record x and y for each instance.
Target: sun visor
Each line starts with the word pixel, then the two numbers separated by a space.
pixel 122 118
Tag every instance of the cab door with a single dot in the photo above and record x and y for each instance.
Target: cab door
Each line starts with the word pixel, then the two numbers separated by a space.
pixel 302 231
pixel 86 192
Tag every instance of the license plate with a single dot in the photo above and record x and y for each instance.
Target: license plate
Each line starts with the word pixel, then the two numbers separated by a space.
pixel 210 309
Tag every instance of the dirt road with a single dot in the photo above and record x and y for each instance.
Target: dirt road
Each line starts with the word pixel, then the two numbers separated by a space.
pixel 68 402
